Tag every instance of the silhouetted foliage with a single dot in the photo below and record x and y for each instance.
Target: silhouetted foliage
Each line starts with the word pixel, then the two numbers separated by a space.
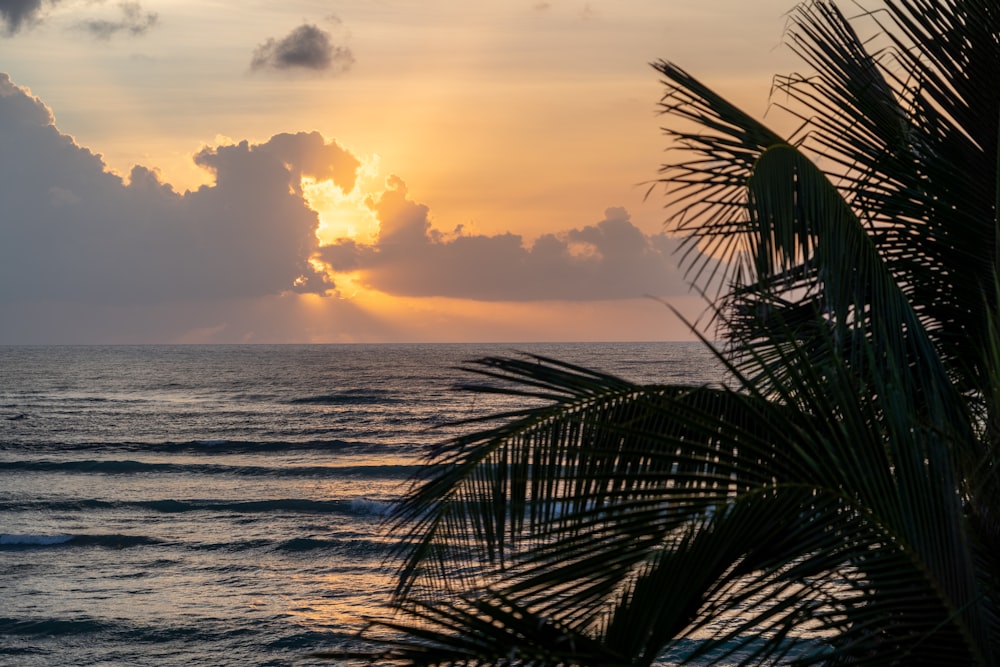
pixel 838 501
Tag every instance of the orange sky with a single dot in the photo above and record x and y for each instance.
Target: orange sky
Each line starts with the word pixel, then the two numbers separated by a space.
pixel 480 176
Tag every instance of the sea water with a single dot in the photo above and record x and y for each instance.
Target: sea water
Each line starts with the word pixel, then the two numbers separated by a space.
pixel 223 505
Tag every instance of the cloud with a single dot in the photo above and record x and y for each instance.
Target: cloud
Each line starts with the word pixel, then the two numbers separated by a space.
pixel 610 259
pixel 72 231
pixel 133 22
pixel 16 14
pixel 304 48
pixel 87 255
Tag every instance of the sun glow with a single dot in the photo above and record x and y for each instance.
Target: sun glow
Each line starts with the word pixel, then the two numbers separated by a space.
pixel 349 285
pixel 345 215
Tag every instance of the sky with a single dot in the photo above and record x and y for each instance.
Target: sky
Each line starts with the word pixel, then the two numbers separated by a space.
pixel 213 171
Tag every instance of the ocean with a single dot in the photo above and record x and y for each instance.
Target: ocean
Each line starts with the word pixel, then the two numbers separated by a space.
pixel 223 505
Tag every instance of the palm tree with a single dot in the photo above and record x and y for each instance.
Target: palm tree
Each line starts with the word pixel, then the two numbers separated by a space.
pixel 837 501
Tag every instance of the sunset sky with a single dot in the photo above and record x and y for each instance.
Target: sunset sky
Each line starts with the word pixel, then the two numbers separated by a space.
pixel 350 170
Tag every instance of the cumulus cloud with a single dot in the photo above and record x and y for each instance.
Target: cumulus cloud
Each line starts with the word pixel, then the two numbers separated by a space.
pixel 133 21
pixel 73 231
pixel 87 255
pixel 307 47
pixel 16 14
pixel 610 259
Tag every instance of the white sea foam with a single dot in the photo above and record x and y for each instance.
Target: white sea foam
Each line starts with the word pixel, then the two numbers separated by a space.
pixel 366 506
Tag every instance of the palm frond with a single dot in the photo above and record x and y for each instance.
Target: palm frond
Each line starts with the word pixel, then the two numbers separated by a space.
pixel 844 487
pixel 579 507
pixel 912 144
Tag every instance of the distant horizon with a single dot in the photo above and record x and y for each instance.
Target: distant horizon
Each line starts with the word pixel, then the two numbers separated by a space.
pixel 373 343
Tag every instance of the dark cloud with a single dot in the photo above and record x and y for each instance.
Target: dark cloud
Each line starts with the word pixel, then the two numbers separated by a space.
pixel 305 48
pixel 133 22
pixel 72 231
pixel 16 14
pixel 611 259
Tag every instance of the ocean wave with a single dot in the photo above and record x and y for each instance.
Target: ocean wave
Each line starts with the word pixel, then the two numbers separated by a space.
pixel 213 446
pixel 314 640
pixel 12 541
pixel 367 506
pixel 116 630
pixel 234 546
pixel 308 544
pixel 128 467
pixel 353 507
pixel 87 466
pixel 225 446
pixel 357 546
pixel 33 540
pixel 296 505
pixel 50 626
pixel 347 397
